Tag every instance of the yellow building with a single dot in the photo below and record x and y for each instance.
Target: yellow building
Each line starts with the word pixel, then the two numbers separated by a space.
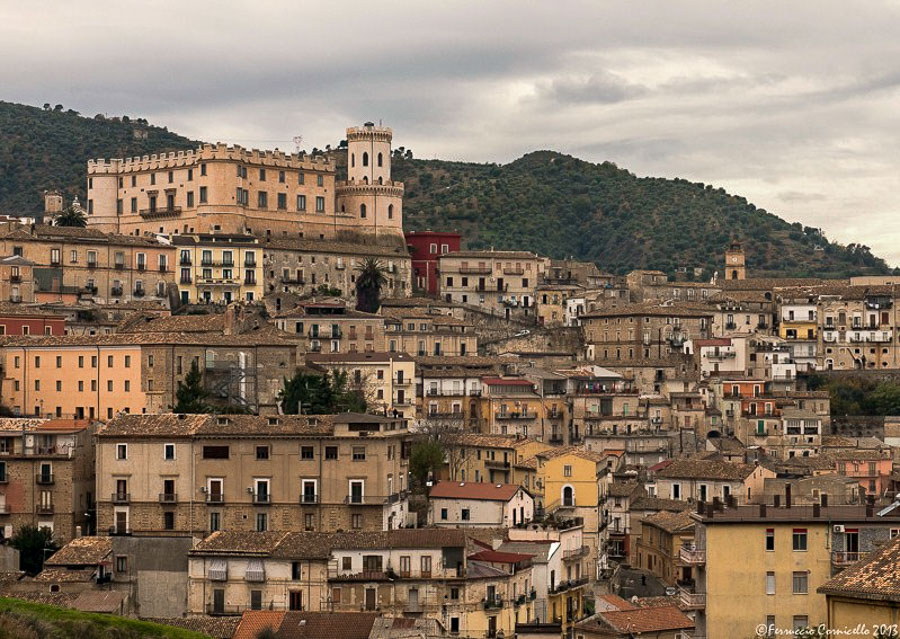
pixel 866 593
pixel 783 555
pixel 491 458
pixel 219 268
pixel 551 301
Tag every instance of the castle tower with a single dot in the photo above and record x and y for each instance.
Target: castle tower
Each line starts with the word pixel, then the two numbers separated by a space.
pixel 369 201
pixel 735 266
pixel 53 203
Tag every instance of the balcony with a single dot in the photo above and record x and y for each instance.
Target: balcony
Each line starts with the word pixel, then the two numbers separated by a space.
pixel 163 268
pixel 845 558
pixel 721 355
pixel 249 263
pixel 307 498
pixel 141 266
pixel 215 498
pixel 92 264
pixel 118 530
pixel 576 553
pixel 139 292
pixel 44 509
pixel 402 382
pixel 249 281
pixel 120 498
pixel 15 299
pixel 255 575
pixel 496 463
pixel 185 261
pixel 262 500
pixel 477 270
pixel 116 291
pixel 692 555
pixel 691 600
pixel 45 479
pixel 514 270
pixel 168 498
pixel 155 214
pixel 556 438
pixel 523 414
pixel 15 279
pixel 185 279
pixel 493 603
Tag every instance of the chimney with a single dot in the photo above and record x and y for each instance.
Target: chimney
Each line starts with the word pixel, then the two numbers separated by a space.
pixel 870 510
pixel 701 507
pixel 817 510
pixel 787 495
pixel 824 499
pixel 762 511
pixel 716 504
pixel 776 500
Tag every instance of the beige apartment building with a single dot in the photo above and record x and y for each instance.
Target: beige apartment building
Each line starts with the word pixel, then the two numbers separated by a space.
pixel 294 268
pixel 330 326
pixel 232 190
pixel 46 476
pixel 857 328
pixel 637 332
pixel 16 280
pixel 386 380
pixel 71 265
pixel 427 333
pixel 503 282
pixel 218 268
pixel 196 474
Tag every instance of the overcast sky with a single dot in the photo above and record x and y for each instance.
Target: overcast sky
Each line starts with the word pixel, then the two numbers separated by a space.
pixel 794 105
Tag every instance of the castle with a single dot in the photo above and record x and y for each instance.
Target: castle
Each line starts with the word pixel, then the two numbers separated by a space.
pixel 232 190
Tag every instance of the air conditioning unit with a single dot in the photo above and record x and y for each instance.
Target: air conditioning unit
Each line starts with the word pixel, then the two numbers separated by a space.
pixel 838 528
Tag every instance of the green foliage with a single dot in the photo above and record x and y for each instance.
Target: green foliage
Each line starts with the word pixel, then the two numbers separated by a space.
pixel 266 633
pixel 34 545
pixel 560 206
pixel 70 216
pixel 191 396
pixel 26 620
pixel 371 276
pixel 427 457
pixel 43 149
pixel 859 395
pixel 311 394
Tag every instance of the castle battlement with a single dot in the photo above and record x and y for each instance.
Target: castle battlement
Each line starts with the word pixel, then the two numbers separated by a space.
pixel 394 189
pixel 369 132
pixel 210 152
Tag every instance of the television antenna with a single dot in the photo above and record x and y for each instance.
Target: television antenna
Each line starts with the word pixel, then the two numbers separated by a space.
pixel 298 142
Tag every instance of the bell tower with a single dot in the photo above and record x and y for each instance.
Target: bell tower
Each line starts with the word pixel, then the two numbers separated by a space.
pixel 369 200
pixel 735 266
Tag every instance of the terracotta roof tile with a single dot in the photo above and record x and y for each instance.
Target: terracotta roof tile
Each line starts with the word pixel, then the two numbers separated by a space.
pixel 653 619
pixel 671 522
pixel 82 551
pixel 705 469
pixel 876 577
pixel 474 490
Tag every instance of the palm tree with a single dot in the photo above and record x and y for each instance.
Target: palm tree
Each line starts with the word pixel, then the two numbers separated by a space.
pixel 70 216
pixel 370 277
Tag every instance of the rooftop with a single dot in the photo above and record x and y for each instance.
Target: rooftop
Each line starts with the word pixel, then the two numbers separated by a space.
pixel 876 577
pixel 474 490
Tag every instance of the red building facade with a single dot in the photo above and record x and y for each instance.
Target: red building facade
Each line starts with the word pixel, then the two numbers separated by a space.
pixel 28 324
pixel 425 247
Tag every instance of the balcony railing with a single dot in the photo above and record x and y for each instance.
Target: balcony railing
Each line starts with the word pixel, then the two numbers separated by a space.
pixel 691 554
pixel 845 558
pixel 306 498
pixel 485 270
pixel 496 463
pixel 262 499
pixel 156 213
pixel 44 509
pixel 44 478
pixel 116 291
pixel 493 602
pixel 524 414
pixel 215 498
pixel 168 498
pixel 120 498
pixel 692 600
pixel 119 530
pixel 576 553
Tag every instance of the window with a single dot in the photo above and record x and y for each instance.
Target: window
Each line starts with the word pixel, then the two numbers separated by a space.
pixel 800 622
pixel 567 471
pixel 215 452
pixel 454 625
pixel 676 491
pixel 320 204
pixel 121 563
pixel 301 202
pixel 331 452
pixel 359 453
pixel 770 539
pixel 347 563
pixel 356 522
pixel 168 452
pixel 262 522
pixel 168 520
pixel 799 539
pixel 121 451
pixel 770 583
pixel 262 452
pixel 464 514
pixel 256 598
pixel 801 583
pixel 306 452
pixel 443 514
pixel 282 201
pixel 203 194
pixel 295 600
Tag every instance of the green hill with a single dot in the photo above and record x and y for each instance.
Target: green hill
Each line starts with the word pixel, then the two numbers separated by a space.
pixel 546 202
pixel 561 206
pixel 49 148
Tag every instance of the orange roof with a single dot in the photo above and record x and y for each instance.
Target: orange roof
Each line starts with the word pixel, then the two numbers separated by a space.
pixel 617 602
pixel 654 619
pixel 64 424
pixel 475 490
pixel 253 622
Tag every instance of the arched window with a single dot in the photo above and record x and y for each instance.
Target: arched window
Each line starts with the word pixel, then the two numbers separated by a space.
pixel 365 179
pixel 362 210
pixel 380 160
pixel 734 275
pixel 380 180
pixel 352 159
pixel 365 159
pixel 568 496
pixel 390 211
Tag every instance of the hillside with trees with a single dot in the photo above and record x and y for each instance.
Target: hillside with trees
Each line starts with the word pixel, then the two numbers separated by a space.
pixel 546 202
pixel 48 147
pixel 561 206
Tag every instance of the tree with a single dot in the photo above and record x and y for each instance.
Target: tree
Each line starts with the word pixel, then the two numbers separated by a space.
pixel 426 459
pixel 191 395
pixel 70 216
pixel 445 432
pixel 371 276
pixel 330 392
pixel 34 545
